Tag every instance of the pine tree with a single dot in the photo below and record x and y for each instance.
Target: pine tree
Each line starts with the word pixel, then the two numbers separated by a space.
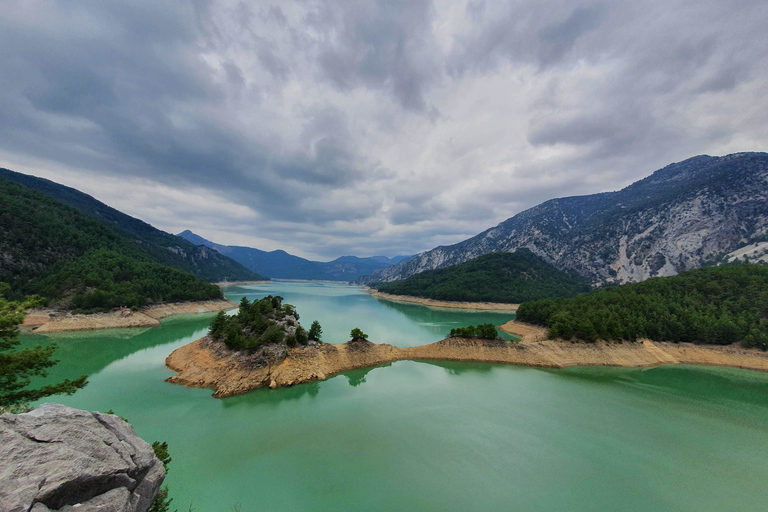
pixel 18 366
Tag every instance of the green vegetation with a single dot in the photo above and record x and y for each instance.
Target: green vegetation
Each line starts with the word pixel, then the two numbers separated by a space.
pixel 80 262
pixel 715 305
pixel 357 334
pixel 162 503
pixel 315 331
pixel 497 277
pixel 259 323
pixel 483 331
pixel 164 248
pixel 18 366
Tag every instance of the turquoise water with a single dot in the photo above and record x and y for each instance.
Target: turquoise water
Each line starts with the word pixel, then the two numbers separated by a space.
pixel 433 436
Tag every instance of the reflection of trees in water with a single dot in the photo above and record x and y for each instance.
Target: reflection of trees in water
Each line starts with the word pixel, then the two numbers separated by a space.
pixel 445 319
pixel 272 398
pixel 459 368
pixel 89 352
pixel 357 377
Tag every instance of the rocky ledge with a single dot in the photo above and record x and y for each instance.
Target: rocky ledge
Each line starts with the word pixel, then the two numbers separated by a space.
pixel 64 459
pixel 209 364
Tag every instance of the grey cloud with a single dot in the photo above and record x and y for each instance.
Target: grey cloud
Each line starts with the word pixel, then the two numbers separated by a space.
pixel 332 119
pixel 384 45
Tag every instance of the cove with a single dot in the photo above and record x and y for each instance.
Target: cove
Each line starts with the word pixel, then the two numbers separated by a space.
pixel 432 436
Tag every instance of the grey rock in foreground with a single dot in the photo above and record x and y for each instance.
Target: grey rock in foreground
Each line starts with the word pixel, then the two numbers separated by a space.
pixel 59 458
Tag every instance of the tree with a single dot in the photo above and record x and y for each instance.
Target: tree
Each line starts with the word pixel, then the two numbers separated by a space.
pixel 161 503
pixel 18 366
pixel 315 331
pixel 357 334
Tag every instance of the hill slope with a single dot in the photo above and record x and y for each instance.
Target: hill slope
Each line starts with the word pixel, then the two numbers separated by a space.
pixel 497 277
pixel 164 247
pixel 279 264
pixel 676 219
pixel 51 249
pixel 717 305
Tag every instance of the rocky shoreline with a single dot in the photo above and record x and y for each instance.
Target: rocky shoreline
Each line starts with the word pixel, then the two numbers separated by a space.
pixel 207 364
pixel 480 306
pixel 44 321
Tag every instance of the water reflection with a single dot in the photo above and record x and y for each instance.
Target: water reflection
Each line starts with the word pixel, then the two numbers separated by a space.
pixel 460 368
pixel 357 377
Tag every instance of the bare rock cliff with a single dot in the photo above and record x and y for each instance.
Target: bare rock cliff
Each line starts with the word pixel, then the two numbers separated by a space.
pixel 64 459
pixel 677 219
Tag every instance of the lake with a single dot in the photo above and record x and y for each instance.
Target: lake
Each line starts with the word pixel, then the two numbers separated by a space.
pixel 431 436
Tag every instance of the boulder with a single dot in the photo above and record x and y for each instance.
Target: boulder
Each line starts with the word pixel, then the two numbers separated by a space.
pixel 59 458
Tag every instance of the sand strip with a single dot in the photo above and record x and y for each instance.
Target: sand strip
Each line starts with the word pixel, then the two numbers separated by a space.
pixel 480 306
pixel 43 321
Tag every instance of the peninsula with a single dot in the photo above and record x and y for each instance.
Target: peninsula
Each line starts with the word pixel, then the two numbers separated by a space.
pixel 207 363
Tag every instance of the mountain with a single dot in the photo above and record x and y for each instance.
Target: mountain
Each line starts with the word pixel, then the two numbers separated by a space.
pixel 681 217
pixel 80 262
pixel 496 277
pixel 165 248
pixel 279 264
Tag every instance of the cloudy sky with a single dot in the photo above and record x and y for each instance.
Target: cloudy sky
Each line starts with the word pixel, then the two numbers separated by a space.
pixel 370 127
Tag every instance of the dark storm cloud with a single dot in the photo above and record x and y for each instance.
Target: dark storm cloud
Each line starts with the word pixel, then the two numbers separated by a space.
pixel 373 126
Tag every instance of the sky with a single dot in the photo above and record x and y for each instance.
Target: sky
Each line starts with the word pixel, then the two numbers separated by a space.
pixel 364 127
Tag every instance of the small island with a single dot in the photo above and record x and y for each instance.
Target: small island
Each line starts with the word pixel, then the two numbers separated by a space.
pixel 264 345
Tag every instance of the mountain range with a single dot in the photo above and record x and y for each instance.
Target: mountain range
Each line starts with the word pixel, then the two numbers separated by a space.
pixel 164 248
pixel 681 217
pixel 282 265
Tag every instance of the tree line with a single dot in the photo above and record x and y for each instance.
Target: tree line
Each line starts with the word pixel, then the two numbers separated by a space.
pixel 497 277
pixel 715 305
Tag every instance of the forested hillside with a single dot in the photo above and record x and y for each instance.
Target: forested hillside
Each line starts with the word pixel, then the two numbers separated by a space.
pixel 164 247
pixel 716 305
pixel 76 261
pixel 498 277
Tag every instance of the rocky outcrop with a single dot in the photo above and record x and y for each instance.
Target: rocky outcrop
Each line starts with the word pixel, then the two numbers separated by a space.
pixel 59 458
pixel 208 364
pixel 678 218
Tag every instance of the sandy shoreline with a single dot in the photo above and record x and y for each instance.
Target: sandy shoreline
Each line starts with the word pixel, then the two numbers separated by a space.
pixel 480 306
pixel 224 284
pixel 42 321
pixel 205 364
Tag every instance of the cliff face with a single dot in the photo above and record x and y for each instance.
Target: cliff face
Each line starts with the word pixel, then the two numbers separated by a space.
pixel 59 458
pixel 674 220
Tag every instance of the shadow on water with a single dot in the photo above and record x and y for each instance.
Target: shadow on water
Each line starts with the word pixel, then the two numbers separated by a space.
pixel 89 352
pixel 698 382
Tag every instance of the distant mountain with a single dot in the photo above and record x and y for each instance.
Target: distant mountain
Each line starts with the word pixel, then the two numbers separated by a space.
pixel 679 218
pixel 496 277
pixel 279 264
pixel 80 262
pixel 164 247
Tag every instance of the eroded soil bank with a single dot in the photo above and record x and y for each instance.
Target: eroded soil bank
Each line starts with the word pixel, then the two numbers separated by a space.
pixel 42 321
pixel 207 364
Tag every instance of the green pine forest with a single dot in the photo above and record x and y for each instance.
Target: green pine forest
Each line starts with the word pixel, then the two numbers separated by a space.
pixel 79 262
pixel 713 305
pixel 497 277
